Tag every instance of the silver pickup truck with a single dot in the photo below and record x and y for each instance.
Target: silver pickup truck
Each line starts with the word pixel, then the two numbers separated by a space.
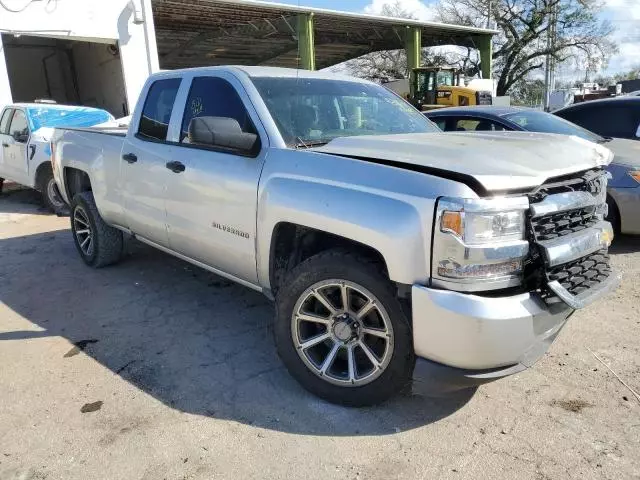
pixel 392 251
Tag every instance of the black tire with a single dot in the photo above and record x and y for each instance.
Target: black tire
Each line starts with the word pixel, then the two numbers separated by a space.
pixel 613 217
pixel 50 194
pixel 107 241
pixel 346 266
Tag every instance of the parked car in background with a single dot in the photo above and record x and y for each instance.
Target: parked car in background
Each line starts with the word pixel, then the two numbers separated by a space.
pixel 624 186
pixel 25 132
pixel 610 117
pixel 391 249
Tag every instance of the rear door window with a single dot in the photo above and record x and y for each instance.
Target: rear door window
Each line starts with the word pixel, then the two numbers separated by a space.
pixel 156 113
pixel 4 121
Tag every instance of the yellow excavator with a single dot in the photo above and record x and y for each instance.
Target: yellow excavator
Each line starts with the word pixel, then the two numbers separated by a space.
pixel 437 87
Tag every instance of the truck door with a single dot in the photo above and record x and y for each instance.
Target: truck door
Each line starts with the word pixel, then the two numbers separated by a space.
pixel 14 149
pixel 5 119
pixel 144 155
pixel 212 190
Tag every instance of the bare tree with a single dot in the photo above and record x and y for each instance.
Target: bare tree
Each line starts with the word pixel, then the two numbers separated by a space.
pixel 387 64
pixel 521 46
pixel 392 64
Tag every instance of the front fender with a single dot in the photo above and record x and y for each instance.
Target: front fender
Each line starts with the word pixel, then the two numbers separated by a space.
pixel 393 227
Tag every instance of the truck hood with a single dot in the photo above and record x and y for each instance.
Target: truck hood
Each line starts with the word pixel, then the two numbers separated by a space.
pixel 498 161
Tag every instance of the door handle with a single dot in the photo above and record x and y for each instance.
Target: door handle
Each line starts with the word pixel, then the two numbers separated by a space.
pixel 130 157
pixel 175 167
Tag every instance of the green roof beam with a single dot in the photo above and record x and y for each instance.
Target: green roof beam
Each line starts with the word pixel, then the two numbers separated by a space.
pixel 306 43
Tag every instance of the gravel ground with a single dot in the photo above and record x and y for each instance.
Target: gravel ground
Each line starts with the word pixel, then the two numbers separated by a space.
pixel 154 369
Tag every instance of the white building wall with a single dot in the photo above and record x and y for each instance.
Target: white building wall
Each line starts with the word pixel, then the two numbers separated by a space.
pixel 5 88
pixel 128 23
pixel 99 74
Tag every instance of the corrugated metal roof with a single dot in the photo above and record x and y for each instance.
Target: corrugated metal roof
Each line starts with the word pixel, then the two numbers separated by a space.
pixel 217 32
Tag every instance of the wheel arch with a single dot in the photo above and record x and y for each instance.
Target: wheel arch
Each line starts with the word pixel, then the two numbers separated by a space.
pixel 41 170
pixel 292 244
pixel 76 181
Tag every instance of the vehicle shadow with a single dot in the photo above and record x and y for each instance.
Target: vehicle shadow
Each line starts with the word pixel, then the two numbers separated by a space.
pixel 193 340
pixel 625 244
pixel 18 199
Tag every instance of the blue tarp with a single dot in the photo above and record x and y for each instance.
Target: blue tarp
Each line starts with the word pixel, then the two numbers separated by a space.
pixel 65 116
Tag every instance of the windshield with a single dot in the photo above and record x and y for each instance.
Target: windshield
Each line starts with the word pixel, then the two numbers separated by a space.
pixel 312 111
pixel 52 116
pixel 535 121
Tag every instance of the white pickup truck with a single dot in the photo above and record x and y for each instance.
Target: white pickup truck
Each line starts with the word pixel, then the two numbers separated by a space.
pixel 391 250
pixel 25 132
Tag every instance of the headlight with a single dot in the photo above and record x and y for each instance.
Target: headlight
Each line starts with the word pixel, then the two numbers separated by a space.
pixel 476 228
pixel 479 244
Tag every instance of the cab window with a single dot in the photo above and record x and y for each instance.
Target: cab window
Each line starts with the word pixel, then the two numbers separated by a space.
pixel 214 97
pixel 156 113
pixel 19 126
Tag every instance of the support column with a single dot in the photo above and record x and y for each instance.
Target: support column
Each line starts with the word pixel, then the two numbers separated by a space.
pixel 413 47
pixel 413 50
pixel 138 51
pixel 306 44
pixel 486 51
pixel 5 88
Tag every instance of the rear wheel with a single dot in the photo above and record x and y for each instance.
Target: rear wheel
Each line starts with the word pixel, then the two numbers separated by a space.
pixel 341 331
pixel 98 244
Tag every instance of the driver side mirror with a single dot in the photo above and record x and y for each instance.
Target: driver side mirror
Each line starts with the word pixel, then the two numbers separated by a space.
pixel 222 132
pixel 21 137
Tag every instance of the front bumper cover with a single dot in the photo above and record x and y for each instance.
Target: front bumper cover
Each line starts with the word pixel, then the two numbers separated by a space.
pixel 464 340
pixel 481 332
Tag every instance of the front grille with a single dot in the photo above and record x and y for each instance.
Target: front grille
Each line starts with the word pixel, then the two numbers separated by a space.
pixel 559 224
pixel 576 276
pixel 582 274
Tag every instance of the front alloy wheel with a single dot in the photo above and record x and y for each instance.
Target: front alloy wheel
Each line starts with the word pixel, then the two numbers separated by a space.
pixel 342 333
pixel 341 330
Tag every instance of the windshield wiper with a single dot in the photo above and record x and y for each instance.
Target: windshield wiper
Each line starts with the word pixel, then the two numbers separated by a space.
pixel 309 143
pixel 604 140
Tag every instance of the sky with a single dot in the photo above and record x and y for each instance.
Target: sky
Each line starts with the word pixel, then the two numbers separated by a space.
pixel 623 14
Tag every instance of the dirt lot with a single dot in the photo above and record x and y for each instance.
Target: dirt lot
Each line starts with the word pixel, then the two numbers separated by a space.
pixel 174 376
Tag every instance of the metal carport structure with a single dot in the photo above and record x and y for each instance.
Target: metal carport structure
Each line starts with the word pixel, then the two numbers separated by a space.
pixel 191 33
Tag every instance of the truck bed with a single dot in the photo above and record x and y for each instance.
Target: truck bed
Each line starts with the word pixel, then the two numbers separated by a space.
pixel 94 150
pixel 114 131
